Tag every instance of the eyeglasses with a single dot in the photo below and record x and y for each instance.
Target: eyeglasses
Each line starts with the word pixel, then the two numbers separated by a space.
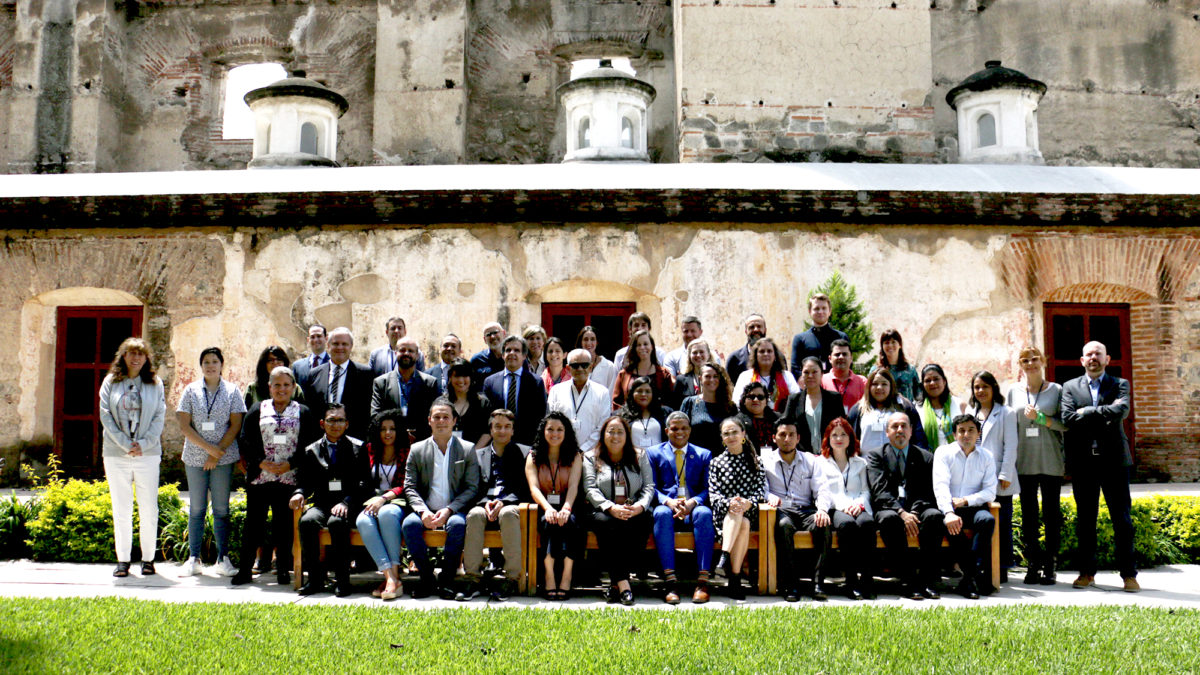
pixel 755 397
pixel 581 366
pixel 491 333
pixel 336 420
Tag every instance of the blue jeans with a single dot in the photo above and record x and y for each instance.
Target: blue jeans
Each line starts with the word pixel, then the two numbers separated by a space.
pixel 200 483
pixel 381 535
pixel 700 522
pixel 456 535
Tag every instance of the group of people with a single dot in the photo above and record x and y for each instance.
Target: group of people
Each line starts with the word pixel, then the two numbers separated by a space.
pixel 646 444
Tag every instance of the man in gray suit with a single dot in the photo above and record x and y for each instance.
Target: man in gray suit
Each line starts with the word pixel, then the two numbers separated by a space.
pixel 383 360
pixel 441 483
pixel 1094 408
pixel 406 388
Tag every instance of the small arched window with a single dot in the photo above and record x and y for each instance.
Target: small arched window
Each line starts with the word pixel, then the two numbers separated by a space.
pixel 626 133
pixel 987 130
pixel 584 138
pixel 308 138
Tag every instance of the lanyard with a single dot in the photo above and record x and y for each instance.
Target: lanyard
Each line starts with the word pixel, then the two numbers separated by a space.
pixel 389 475
pixel 216 395
pixel 579 404
pixel 787 484
pixel 1033 398
pixel 554 479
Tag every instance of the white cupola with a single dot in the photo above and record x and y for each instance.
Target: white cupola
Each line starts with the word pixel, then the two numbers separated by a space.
pixel 997 116
pixel 606 116
pixel 295 123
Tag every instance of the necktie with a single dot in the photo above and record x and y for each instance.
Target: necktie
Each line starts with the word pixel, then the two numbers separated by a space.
pixel 679 464
pixel 333 384
pixel 510 401
pixel 903 461
pixel 331 450
pixel 316 361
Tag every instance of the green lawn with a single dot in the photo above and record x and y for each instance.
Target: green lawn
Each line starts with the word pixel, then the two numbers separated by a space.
pixel 115 635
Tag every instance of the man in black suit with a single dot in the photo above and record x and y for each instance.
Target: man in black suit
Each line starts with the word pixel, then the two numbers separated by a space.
pixel 812 402
pixel 755 327
pixel 342 381
pixel 451 351
pixel 901 477
pixel 408 389
pixel 317 357
pixel 335 474
pixel 1094 408
pixel 816 341
pixel 528 400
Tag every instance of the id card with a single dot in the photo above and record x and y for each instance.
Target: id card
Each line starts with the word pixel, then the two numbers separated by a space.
pixel 682 493
pixel 494 491
pixel 279 439
pixel 786 502
pixel 1032 432
pixel 903 492
pixel 208 426
pixel 335 486
pixel 554 500
pixel 619 491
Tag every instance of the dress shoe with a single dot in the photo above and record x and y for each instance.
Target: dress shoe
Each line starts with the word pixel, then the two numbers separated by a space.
pixel 469 592
pixel 1131 585
pixel 503 589
pixel 1084 581
pixel 241 578
pixel 724 564
pixel 1033 577
pixel 853 593
pixel 627 598
pixel 283 578
pixel 734 587
pixel 968 589
pixel 343 589
pixel 313 587
pixel 791 595
pixel 700 595
pixel 423 589
pixel 930 593
pixel 672 596
pixel 819 593
pixel 447 593
pixel 1049 578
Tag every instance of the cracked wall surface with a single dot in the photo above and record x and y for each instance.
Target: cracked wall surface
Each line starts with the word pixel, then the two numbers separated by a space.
pixel 962 298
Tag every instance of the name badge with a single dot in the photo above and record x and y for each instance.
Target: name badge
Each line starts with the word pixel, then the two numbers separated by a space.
pixel 208 426
pixel 335 486
pixel 404 410
pixel 279 439
pixel 620 491
pixel 494 491
pixel 682 492
pixel 902 492
pixel 876 426
pixel 554 500
pixel 1032 432
pixel 786 502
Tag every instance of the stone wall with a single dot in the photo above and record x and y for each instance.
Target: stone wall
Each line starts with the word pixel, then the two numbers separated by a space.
pixel 967 298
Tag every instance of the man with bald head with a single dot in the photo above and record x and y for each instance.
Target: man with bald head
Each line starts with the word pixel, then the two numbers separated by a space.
pixel 407 389
pixel 341 380
pixel 755 327
pixel 490 359
pixel 902 497
pixel 383 360
pixel 586 403
pixel 450 351
pixel 1094 408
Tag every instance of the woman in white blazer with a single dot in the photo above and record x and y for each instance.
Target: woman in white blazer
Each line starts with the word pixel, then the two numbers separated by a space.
pixel 998 425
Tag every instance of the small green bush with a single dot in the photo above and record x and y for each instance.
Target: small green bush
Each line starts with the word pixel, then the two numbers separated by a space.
pixel 173 539
pixel 75 522
pixel 15 516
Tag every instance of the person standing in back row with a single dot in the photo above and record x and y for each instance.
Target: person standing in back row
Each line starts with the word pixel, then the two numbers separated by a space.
pixel 816 340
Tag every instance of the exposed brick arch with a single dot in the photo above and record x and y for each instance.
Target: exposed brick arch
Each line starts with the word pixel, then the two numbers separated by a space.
pixel 1096 292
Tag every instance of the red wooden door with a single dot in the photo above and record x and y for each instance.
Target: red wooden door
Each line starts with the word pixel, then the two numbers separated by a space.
pixel 88 338
pixel 564 320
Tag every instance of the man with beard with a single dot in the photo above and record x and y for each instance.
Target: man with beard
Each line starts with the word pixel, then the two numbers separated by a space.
pixel 755 327
pixel 406 389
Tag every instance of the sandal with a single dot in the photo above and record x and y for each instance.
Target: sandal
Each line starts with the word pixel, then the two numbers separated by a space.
pixel 378 592
pixel 122 570
pixel 147 569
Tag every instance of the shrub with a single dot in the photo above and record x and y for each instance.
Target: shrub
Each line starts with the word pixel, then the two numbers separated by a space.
pixel 173 539
pixel 75 523
pixel 15 515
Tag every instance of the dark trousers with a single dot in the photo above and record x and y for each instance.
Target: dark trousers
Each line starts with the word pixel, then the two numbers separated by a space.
pixel 621 542
pixel 931 530
pixel 968 550
pixel 1114 482
pixel 856 540
pixel 260 499
pixel 560 541
pixel 787 523
pixel 337 554
pixel 1051 515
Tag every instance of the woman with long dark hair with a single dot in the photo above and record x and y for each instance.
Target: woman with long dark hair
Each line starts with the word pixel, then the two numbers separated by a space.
pixel 868 416
pixel 257 391
pixel 756 415
pixel 891 356
pixel 620 487
pixel 553 470
pixel 556 370
pixel 736 486
pixel 645 413
pixel 471 425
pixel 641 362
pixel 709 407
pixel 768 367
pixel 379 522
pixel 938 406
pixel 603 372
pixel 133 406
pixel 998 434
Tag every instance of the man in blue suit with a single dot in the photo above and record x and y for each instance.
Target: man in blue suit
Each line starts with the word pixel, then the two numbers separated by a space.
pixel 303 367
pixel 516 388
pixel 681 481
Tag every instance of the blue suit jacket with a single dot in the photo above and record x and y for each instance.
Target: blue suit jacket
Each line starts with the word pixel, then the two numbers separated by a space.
pixel 531 402
pixel 695 470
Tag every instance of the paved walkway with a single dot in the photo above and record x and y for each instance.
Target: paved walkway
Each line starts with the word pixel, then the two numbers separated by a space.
pixel 1167 586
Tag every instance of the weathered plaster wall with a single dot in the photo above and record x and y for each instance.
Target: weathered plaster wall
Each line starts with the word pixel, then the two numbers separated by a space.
pixel 788 81
pixel 965 298
pixel 1123 75
pixel 8 28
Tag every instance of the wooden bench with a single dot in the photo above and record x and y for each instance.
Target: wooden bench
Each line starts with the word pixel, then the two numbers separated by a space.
pixel 803 540
pixel 433 538
pixel 759 541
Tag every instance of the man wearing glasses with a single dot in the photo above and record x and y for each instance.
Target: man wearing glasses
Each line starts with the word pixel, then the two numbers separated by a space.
pixel 489 360
pixel 586 403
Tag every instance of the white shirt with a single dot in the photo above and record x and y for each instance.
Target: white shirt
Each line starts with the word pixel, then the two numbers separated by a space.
pixel 647 432
pixel 619 358
pixel 800 484
pixel 586 409
pixel 676 360
pixel 956 474
pixel 603 373
pixel 439 487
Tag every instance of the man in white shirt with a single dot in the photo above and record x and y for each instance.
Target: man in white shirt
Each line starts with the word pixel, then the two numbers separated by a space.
pixel 677 359
pixel 586 403
pixel 964 482
pixel 797 488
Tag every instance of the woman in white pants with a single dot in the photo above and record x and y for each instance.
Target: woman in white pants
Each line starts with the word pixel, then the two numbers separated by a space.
pixel 132 409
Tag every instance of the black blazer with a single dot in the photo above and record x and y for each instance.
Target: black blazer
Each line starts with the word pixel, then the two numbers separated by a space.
pixel 831 409
pixel 737 361
pixel 814 342
pixel 356 395
pixel 351 466
pixel 1102 425
pixel 883 472
pixel 437 373
pixel 385 395
pixel 303 369
pixel 531 402
pixel 250 442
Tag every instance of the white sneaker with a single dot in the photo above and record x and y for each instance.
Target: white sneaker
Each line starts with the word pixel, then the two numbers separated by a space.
pixel 190 568
pixel 224 567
